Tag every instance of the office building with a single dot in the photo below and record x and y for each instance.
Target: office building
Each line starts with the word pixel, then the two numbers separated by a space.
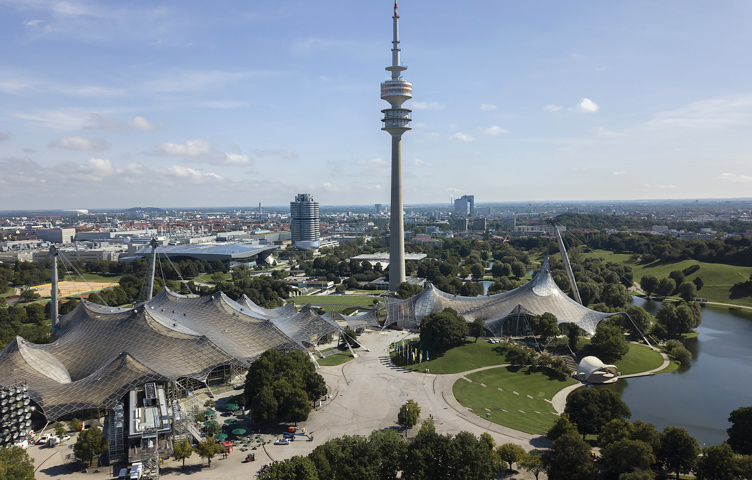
pixel 304 222
pixel 465 206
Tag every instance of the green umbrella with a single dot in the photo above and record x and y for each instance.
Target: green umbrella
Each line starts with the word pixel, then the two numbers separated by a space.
pixel 209 412
pixel 209 422
pixel 231 420
pixel 232 407
pixel 238 431
pixel 220 436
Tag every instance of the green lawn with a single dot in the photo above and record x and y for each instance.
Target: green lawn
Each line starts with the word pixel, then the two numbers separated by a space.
pixel 520 404
pixel 336 359
pixel 640 358
pixel 466 357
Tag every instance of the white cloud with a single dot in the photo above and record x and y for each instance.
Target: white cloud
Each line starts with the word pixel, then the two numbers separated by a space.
pixel 735 177
pixel 662 187
pixel 427 105
pixel 461 136
pixel 4 136
pixel 202 151
pixel 422 163
pixel 622 172
pixel 80 143
pixel 553 108
pixel 330 187
pixel 191 81
pixel 706 114
pixel 12 86
pixel 488 107
pixel 494 130
pixel 32 23
pixel 141 123
pixel 106 122
pixel 587 106
pixel 191 148
pixel 373 161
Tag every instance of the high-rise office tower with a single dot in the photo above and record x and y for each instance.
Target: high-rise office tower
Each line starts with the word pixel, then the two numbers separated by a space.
pixel 304 222
pixel 396 120
pixel 465 206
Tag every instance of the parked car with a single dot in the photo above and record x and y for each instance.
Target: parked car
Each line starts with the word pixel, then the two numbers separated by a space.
pixel 282 441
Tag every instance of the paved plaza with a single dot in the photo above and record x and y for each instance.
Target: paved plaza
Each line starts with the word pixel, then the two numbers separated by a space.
pixel 366 394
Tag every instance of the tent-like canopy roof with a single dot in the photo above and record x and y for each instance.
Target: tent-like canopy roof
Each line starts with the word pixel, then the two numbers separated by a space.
pixel 101 352
pixel 593 370
pixel 536 297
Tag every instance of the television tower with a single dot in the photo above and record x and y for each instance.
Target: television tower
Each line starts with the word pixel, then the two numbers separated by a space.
pixel 396 120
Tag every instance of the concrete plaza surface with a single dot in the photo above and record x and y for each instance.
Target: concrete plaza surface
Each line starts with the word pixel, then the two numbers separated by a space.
pixel 366 394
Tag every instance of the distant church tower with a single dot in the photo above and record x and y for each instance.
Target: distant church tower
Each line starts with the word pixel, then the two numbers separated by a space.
pixel 396 120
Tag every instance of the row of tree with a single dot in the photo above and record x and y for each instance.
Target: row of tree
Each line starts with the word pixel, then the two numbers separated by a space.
pixel 633 450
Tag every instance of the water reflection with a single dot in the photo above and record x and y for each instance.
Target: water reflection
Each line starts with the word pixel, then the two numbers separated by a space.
pixel 700 396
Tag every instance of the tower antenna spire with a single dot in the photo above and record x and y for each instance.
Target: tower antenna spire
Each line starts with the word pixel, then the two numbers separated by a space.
pixel 396 120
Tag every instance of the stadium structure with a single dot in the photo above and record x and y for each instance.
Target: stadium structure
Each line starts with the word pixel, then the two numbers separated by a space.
pixel 504 313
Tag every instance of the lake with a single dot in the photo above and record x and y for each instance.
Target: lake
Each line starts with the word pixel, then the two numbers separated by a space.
pixel 699 397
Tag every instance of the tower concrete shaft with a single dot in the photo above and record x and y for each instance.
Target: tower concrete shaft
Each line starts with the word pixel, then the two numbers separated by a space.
pixel 54 315
pixel 396 120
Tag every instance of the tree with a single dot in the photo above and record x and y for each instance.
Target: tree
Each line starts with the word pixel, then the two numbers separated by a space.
pixel 573 335
pixel 408 414
pixel 545 326
pixel 510 453
pixel 15 464
pixel 281 387
pixel 698 283
pixel 518 269
pixel 471 289
pixel 442 330
pixel 477 271
pixel 500 269
pixel 740 433
pixel 569 459
pixel 637 321
pixel 615 430
pixel 60 429
pixel 295 468
pixel 182 450
pixel 90 443
pixel 615 295
pixel 477 328
pixel 637 475
pixel 477 461
pixel 687 291
pixel 208 449
pixel 678 277
pixel 609 342
pixel 649 284
pixel 533 462
pixel 561 426
pixel 75 425
pixel 592 408
pixel 717 462
pixel 666 287
pixel 406 289
pixel 623 456
pixel 678 450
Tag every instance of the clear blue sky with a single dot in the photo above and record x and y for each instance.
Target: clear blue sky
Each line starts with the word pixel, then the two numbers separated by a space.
pixel 195 103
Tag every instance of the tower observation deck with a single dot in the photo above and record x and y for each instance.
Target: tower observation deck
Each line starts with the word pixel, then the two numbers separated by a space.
pixel 396 121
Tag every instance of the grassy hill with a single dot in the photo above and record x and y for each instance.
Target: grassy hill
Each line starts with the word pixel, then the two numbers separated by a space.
pixel 718 278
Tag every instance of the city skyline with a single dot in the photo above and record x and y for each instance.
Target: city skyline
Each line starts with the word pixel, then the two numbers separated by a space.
pixel 185 104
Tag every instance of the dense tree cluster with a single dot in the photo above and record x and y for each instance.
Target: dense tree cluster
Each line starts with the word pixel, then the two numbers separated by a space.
pixel 15 464
pixel 283 387
pixel 384 454
pixel 442 330
pixel 635 450
pixel 90 443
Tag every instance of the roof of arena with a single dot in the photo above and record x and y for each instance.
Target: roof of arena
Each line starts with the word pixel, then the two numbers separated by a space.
pixel 208 251
pixel 538 296
pixel 101 352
